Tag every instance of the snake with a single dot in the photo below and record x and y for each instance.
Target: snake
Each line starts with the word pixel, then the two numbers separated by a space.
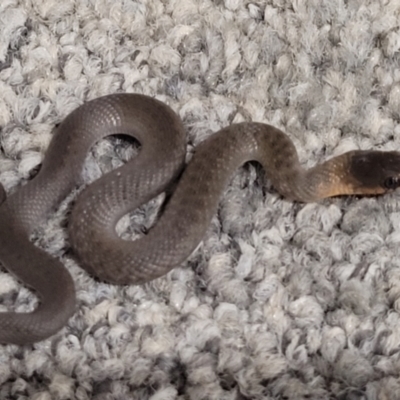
pixel 160 165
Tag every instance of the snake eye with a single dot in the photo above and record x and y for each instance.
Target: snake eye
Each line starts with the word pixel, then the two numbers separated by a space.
pixel 392 183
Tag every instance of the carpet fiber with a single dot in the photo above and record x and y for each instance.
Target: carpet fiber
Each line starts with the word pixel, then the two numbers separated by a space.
pixel 281 300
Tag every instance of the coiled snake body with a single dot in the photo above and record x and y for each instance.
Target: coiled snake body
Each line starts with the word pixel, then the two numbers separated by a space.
pixel 160 161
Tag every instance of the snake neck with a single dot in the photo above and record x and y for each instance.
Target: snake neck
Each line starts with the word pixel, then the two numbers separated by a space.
pixel 336 177
pixel 330 178
pixel 278 155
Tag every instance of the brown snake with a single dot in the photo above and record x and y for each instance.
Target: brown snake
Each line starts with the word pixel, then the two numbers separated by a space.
pixel 187 214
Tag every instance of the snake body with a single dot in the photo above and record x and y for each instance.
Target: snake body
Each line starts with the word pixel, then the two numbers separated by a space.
pixel 187 214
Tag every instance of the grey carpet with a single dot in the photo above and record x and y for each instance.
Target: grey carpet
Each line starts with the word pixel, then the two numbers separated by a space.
pixel 281 300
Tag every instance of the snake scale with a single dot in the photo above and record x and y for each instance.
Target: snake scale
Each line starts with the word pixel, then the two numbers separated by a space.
pixel 160 162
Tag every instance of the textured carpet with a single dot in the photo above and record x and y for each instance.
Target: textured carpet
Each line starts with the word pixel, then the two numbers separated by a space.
pixel 281 300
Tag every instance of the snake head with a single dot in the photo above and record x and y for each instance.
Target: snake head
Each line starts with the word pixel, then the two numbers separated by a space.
pixel 375 172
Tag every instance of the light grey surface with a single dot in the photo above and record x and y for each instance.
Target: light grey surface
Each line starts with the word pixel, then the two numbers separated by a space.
pixel 281 299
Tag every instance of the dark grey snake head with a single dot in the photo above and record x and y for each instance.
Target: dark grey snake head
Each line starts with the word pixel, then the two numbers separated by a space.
pixel 376 171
